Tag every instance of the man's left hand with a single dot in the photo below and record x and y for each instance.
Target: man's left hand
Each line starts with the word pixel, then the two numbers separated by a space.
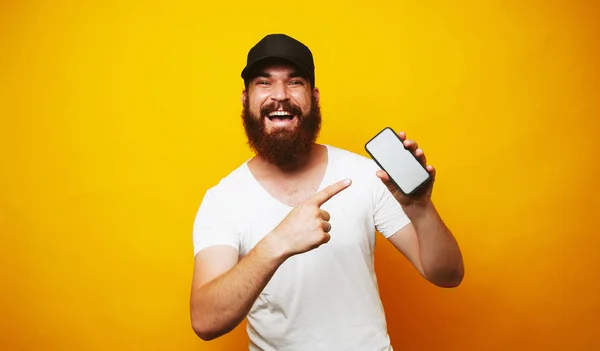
pixel 423 196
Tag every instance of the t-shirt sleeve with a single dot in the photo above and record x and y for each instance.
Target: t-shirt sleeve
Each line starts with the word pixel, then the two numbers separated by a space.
pixel 213 225
pixel 388 214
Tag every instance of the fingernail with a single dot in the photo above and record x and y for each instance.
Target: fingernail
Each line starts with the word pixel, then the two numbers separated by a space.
pixel 347 182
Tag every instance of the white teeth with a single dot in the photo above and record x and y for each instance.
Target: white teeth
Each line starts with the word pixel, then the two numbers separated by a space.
pixel 279 113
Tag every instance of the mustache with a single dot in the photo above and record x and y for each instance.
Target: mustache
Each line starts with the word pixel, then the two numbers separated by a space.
pixel 286 106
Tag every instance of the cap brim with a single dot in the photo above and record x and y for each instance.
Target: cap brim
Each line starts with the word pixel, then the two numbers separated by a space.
pixel 262 59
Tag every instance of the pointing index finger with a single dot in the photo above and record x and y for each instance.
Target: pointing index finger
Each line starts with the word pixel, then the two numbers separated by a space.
pixel 324 195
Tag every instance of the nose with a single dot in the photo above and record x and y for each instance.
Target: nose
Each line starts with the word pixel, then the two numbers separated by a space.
pixel 279 92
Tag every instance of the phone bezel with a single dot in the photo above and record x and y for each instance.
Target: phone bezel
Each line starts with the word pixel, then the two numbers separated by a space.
pixel 420 186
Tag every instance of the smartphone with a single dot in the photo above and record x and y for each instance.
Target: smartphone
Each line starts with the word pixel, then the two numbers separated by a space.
pixel 388 151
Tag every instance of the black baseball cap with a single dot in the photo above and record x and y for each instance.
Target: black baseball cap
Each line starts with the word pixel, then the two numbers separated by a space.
pixel 280 46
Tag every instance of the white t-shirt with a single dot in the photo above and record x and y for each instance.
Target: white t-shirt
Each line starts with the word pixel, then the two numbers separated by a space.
pixel 324 299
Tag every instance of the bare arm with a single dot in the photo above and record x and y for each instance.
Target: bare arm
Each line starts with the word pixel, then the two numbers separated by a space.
pixel 224 290
pixel 426 241
pixel 430 246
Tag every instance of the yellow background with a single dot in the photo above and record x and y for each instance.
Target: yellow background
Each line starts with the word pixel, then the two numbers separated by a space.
pixel 117 116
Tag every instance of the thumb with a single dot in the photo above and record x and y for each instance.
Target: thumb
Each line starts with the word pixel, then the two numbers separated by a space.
pixel 386 180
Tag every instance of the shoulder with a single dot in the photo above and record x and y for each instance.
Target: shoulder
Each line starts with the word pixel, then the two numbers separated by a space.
pixel 353 161
pixel 231 185
pixel 361 169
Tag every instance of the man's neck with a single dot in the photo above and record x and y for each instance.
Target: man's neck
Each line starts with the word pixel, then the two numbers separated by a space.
pixel 305 163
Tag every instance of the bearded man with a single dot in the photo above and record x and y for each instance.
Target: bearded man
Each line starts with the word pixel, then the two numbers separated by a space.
pixel 287 239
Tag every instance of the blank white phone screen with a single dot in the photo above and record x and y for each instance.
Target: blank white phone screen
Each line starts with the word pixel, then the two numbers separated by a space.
pixel 387 149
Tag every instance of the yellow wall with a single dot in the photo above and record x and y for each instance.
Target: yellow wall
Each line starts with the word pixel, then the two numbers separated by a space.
pixel 115 118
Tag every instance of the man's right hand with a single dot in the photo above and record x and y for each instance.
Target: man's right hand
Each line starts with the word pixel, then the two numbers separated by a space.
pixel 307 226
pixel 224 289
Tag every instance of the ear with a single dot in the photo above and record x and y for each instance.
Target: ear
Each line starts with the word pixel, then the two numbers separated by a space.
pixel 243 97
pixel 317 94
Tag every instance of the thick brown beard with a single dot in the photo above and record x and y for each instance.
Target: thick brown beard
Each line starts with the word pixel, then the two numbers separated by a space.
pixel 283 148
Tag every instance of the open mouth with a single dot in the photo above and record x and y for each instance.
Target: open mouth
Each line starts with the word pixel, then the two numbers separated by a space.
pixel 281 118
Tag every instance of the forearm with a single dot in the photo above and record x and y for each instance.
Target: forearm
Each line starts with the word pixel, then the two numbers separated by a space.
pixel 439 252
pixel 220 305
